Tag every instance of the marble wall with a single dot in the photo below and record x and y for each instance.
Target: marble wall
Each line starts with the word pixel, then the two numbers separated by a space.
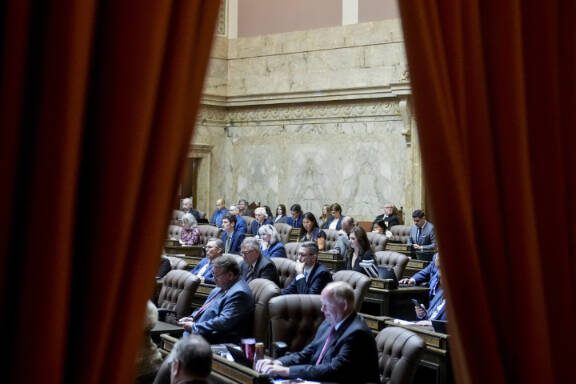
pixel 311 117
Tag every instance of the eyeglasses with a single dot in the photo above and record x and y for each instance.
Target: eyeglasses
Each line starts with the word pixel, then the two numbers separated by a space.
pixel 246 252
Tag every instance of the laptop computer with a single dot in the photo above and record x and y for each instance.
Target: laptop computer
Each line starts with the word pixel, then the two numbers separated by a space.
pixel 379 272
pixel 439 326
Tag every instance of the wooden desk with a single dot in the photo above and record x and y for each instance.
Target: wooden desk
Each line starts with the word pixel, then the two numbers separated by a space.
pixel 434 366
pixel 331 261
pixel 394 302
pixel 414 266
pixel 191 254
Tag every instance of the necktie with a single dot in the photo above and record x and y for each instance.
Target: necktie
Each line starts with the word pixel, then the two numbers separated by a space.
pixel 196 315
pixel 250 273
pixel 228 243
pixel 325 347
pixel 418 231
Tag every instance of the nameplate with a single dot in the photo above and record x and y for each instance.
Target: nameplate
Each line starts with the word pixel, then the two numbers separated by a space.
pixel 417 264
pixel 328 256
pixel 382 283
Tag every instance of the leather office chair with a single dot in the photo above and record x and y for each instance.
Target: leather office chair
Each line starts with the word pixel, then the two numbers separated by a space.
pixel 262 290
pixel 286 270
pixel 377 241
pixel 394 260
pixel 294 319
pixel 359 282
pixel 207 232
pixel 399 352
pixel 283 230
pixel 400 233
pixel 249 220
pixel 175 299
pixel 174 232
pixel 331 238
pixel 292 250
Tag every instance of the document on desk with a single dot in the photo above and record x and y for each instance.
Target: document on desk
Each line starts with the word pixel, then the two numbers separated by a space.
pixel 294 381
pixel 403 322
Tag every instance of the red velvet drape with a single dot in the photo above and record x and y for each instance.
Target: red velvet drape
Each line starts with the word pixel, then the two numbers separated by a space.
pixel 494 86
pixel 97 105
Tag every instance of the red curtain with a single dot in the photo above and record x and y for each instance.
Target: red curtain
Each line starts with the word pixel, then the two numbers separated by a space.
pixel 97 105
pixel 494 88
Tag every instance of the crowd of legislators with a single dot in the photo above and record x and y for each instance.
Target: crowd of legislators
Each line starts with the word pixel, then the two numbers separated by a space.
pixel 227 314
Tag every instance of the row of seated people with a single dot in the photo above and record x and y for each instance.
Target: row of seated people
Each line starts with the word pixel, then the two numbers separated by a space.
pixel 342 345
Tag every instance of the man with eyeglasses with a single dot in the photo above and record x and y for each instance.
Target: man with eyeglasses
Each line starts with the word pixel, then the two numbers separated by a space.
pixel 422 238
pixel 256 266
pixel 204 269
pixel 314 276
pixel 388 216
pixel 227 314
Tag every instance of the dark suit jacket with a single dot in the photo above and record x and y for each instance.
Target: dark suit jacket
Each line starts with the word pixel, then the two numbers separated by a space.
pixel 295 223
pixel 255 225
pixel 390 220
pixel 237 238
pixel 367 255
pixel 317 280
pixel 351 356
pixel 275 250
pixel 264 269
pixel 228 318
pixel 427 240
pixel 241 225
pixel 338 226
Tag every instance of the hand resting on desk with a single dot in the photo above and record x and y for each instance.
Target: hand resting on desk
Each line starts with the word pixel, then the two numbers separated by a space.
pixel 273 368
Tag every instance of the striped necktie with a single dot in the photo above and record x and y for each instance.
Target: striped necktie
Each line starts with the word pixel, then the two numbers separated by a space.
pixel 325 347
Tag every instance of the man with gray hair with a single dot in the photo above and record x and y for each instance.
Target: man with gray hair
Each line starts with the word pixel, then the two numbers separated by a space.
pixel 314 276
pixel 190 361
pixel 256 266
pixel 343 242
pixel 343 350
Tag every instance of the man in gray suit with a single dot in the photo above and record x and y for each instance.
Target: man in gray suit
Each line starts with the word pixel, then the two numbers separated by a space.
pixel 422 237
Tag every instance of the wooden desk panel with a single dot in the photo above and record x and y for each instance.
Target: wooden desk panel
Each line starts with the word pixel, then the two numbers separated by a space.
pixel 394 302
pixel 331 261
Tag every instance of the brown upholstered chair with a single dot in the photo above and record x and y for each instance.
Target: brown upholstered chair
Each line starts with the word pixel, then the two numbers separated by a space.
pixel 331 237
pixel 248 220
pixel 377 241
pixel 391 259
pixel 176 262
pixel 400 233
pixel 283 230
pixel 174 232
pixel 359 282
pixel 262 290
pixel 286 270
pixel 399 352
pixel 294 319
pixel 175 299
pixel 176 216
pixel 292 250
pixel 207 232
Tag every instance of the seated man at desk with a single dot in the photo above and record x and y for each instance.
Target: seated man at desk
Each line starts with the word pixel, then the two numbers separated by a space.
pixel 205 268
pixel 231 236
pixel 437 308
pixel 227 314
pixel 314 276
pixel 256 266
pixel 343 349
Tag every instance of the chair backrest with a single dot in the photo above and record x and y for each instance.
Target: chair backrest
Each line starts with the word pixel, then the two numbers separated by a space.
pixel 207 232
pixel 294 319
pixel 394 260
pixel 262 290
pixel 399 351
pixel 174 232
pixel 359 282
pixel 248 220
pixel 286 270
pixel 176 262
pixel 292 250
pixel 176 216
pixel 177 293
pixel 331 237
pixel 400 233
pixel 377 241
pixel 283 230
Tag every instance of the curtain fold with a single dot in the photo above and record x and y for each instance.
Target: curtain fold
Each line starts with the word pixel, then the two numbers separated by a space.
pixel 493 88
pixel 98 102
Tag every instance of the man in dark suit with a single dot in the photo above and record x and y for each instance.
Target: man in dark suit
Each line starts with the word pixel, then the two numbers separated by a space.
pixel 256 266
pixel 422 237
pixel 314 276
pixel 204 269
pixel 388 216
pixel 228 311
pixel 343 350
pixel 295 220
pixel 231 236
